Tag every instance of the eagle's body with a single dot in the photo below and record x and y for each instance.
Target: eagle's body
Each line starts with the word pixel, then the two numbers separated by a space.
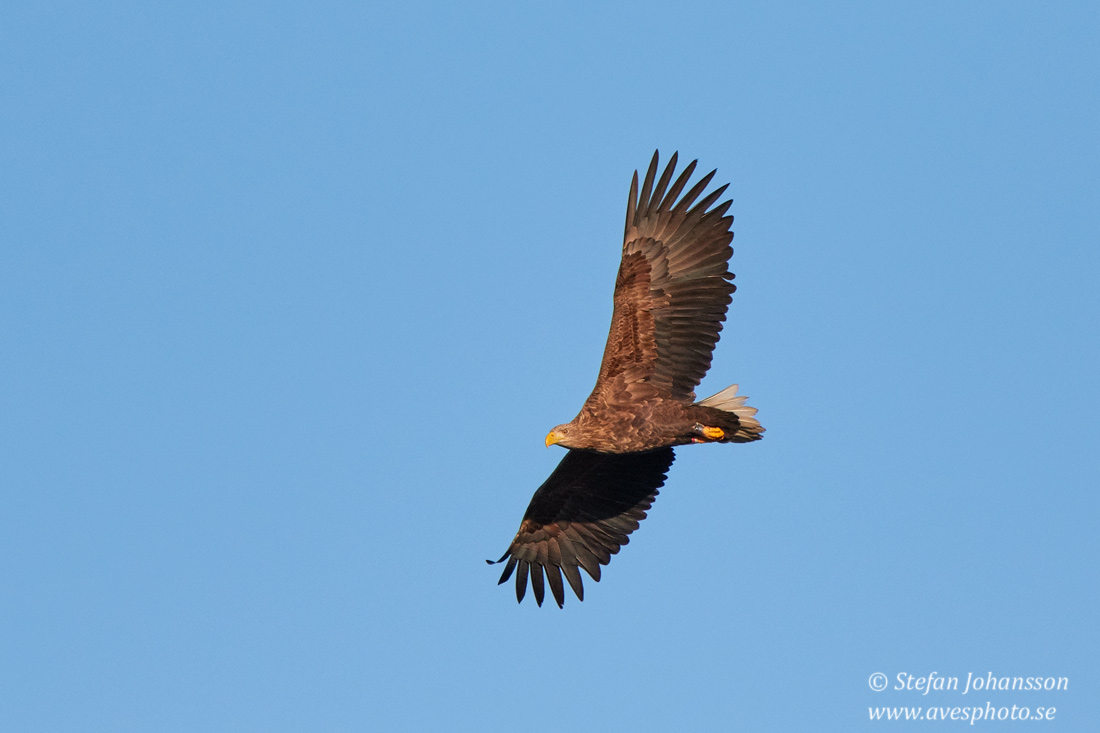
pixel 661 422
pixel 671 296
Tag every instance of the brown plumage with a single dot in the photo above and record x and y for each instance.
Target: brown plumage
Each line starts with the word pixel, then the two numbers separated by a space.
pixel 671 296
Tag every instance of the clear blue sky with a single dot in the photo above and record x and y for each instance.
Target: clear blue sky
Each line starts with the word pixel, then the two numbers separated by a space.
pixel 290 296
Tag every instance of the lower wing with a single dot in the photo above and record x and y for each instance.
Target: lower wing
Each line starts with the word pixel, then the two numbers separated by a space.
pixel 580 516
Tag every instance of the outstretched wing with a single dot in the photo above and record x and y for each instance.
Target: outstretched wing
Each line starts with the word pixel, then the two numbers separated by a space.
pixel 671 292
pixel 581 516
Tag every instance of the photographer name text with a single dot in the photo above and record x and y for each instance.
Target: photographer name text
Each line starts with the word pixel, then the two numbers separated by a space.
pixel 934 682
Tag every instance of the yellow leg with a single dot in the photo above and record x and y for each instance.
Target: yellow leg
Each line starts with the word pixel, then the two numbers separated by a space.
pixel 714 433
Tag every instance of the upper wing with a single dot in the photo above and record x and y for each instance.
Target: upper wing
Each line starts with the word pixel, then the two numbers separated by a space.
pixel 672 288
pixel 581 516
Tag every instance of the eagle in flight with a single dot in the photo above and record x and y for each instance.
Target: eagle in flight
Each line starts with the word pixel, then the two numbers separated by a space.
pixel 671 296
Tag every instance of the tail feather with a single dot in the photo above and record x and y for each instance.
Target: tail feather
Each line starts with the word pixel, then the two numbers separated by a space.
pixel 749 427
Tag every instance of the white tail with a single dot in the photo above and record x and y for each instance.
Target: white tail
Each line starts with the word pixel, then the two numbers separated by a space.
pixel 728 400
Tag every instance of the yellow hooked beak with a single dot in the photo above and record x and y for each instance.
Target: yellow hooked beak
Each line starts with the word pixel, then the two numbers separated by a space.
pixel 552 438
